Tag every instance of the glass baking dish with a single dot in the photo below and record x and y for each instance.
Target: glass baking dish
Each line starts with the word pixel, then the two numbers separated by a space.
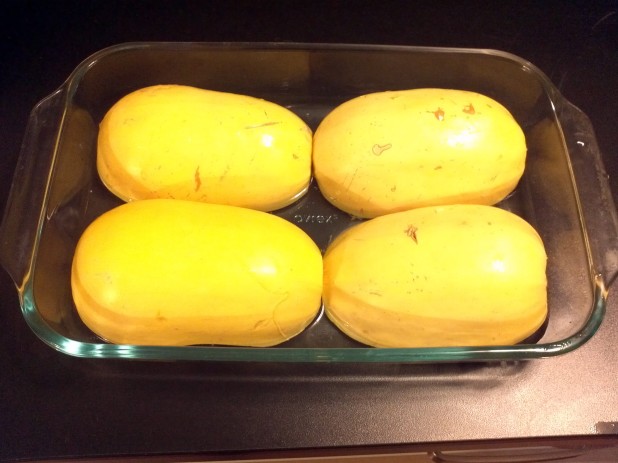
pixel 56 192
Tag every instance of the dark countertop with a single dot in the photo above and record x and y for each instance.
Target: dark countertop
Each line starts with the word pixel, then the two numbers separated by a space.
pixel 54 406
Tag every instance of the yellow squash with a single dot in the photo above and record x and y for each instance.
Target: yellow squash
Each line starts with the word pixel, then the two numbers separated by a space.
pixel 174 141
pixel 459 275
pixel 173 272
pixel 392 151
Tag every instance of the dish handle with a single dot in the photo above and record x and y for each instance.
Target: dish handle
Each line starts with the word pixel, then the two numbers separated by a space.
pixel 22 215
pixel 592 180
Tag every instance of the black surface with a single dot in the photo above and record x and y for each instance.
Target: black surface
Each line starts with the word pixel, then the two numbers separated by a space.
pixel 52 405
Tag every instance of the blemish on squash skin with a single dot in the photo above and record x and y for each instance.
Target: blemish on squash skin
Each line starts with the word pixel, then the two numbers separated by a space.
pixel 439 114
pixel 411 232
pixel 281 331
pixel 263 124
pixel 225 172
pixel 259 324
pixel 197 179
pixel 379 149
pixel 469 109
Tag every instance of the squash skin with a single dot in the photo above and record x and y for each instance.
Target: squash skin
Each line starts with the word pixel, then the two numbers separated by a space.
pixel 172 272
pixel 181 142
pixel 458 275
pixel 397 150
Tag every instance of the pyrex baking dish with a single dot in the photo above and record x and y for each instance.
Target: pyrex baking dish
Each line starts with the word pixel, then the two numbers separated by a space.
pixel 56 191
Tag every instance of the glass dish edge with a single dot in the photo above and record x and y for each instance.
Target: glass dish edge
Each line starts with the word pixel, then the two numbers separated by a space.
pixel 404 355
